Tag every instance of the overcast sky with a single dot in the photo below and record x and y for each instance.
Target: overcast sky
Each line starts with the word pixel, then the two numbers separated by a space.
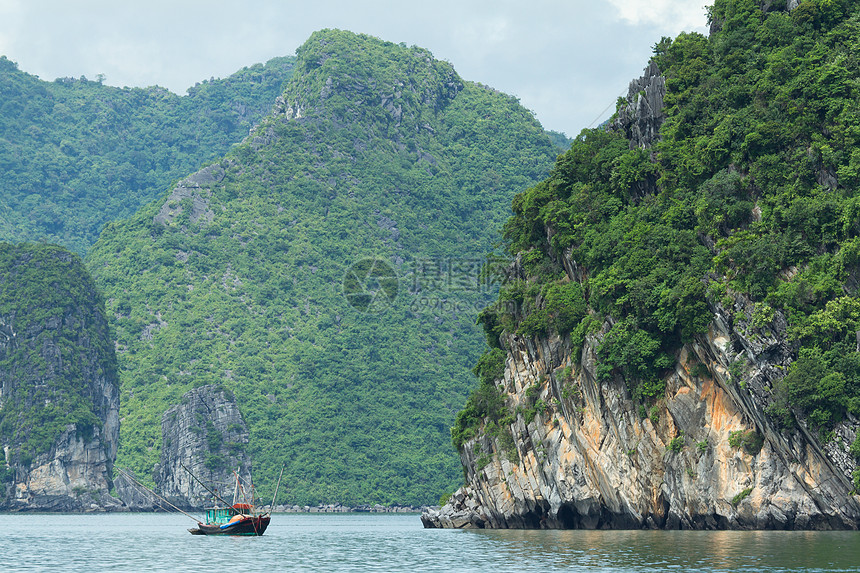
pixel 567 60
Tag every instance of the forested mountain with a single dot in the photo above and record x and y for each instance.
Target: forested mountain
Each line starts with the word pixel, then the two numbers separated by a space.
pixel 75 154
pixel 327 271
pixel 59 389
pixel 705 244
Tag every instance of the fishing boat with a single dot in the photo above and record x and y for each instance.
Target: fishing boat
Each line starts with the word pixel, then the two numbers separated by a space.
pixel 237 518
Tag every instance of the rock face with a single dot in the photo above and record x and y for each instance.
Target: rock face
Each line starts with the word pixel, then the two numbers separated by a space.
pixel 73 476
pixel 641 118
pixel 707 456
pixel 59 397
pixel 207 434
pixel 192 194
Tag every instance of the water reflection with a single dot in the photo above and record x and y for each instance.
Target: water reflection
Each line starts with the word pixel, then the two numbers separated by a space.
pixel 392 543
pixel 681 550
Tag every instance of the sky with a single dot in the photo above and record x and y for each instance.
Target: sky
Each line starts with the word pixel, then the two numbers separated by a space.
pixel 566 60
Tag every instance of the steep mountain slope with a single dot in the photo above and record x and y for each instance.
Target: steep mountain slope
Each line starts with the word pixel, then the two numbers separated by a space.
pixel 205 433
pixel 59 392
pixel 327 271
pixel 75 154
pixel 677 344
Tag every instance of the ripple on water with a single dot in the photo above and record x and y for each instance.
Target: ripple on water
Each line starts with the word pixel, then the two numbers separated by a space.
pixel 362 542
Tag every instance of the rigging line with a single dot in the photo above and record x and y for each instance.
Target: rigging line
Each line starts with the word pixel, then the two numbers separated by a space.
pixel 244 483
pixel 604 111
pixel 245 487
pixel 132 479
pixel 160 505
pixel 218 497
pixel 158 497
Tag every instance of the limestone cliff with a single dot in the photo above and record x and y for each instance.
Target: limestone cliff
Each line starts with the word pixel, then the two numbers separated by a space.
pixel 689 395
pixel 705 457
pixel 206 434
pixel 640 118
pixel 59 397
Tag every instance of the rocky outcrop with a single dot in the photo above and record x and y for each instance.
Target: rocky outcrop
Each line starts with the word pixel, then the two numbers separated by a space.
pixel 705 456
pixel 641 118
pixel 206 434
pixel 462 511
pixel 59 394
pixel 191 197
pixel 73 476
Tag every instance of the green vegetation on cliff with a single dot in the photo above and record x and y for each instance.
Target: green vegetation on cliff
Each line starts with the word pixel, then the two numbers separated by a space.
pixel 327 271
pixel 55 348
pixel 751 190
pixel 75 154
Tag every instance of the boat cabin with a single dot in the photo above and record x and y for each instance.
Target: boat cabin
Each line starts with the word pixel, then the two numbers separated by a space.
pixel 222 515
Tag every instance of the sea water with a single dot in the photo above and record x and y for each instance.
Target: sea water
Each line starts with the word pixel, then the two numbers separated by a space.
pixel 394 542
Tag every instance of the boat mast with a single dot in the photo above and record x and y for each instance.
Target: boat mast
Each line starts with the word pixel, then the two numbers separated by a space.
pixel 253 490
pixel 236 490
pixel 272 507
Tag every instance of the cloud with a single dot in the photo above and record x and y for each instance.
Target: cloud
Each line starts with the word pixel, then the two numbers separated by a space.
pixel 8 7
pixel 665 14
pixel 10 11
pixel 565 59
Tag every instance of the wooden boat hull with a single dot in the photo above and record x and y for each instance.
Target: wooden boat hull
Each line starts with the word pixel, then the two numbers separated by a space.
pixel 248 526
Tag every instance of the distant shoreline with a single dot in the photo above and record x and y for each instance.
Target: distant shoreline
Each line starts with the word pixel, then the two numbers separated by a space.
pixel 328 509
pixel 336 508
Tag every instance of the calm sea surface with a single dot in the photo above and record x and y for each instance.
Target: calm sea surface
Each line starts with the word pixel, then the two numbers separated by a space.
pixel 361 542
